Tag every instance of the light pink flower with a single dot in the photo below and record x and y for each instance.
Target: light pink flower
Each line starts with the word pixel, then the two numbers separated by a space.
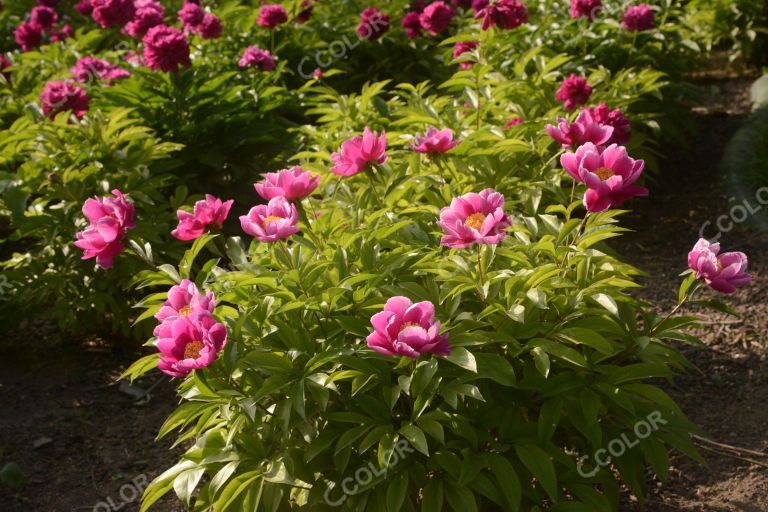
pixel 436 17
pixel 610 175
pixel 638 18
pixel 435 142
pixel 356 153
pixel 255 57
pixel 574 91
pixel 407 329
pixel 210 212
pixel 110 219
pixel 722 272
pixel 184 299
pixel 584 129
pixel 271 16
pixel 293 183
pixel 474 218
pixel 271 222
pixel 506 14
pixel 190 343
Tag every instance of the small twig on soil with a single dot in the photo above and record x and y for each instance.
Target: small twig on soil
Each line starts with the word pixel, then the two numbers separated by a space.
pixel 733 456
pixel 730 447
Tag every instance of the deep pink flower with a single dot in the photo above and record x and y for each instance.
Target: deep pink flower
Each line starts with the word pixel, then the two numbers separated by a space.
pixel 5 64
pixel 722 272
pixel 293 183
pixel 108 13
pixel 166 49
pixel 307 6
pixel 513 122
pixel 28 36
pixel 110 218
pixel 614 118
pixel 210 28
pixel 610 175
pixel 271 16
pixel 435 142
pixel 418 6
pixel 583 129
pixel 63 33
pixel 585 8
pixel 436 17
pixel 255 57
pixel 479 5
pixel 84 7
pixel 184 299
pixel 43 17
pixel 317 74
pixel 190 343
pixel 574 91
pixel 506 14
pixel 407 329
pixel 191 15
pixel 373 24
pixel 208 212
pixel 271 222
pixel 463 47
pixel 47 3
pixel 474 218
pixel 412 24
pixel 638 18
pixel 88 69
pixel 149 13
pixel 356 153
pixel 60 96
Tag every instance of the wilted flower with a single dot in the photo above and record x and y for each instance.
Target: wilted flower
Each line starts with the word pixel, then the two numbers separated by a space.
pixel 61 96
pixel 28 36
pixel 271 222
pixel 184 299
pixel 293 183
pixel 722 272
pixel 373 24
pixel 474 218
pixel 436 17
pixel 574 91
pixel 110 219
pixel 585 8
pixel 149 13
pixel 407 329
pixel 88 68
pixel 108 13
pixel 412 24
pixel 614 118
pixel 190 343
pixel 463 47
pixel 583 129
pixel 271 16
pixel 255 57
pixel 609 174
pixel 43 17
pixel 191 15
pixel 166 49
pixel 356 153
pixel 638 18
pixel 208 212
pixel 505 14
pixel 435 142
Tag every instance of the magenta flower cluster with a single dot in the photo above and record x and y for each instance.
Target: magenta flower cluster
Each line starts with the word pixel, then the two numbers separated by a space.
pixel 209 213
pixel 63 96
pixel 505 14
pixel 89 69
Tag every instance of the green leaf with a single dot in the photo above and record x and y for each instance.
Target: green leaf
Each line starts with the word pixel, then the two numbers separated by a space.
pixel 433 496
pixel 396 492
pixel 539 463
pixel 464 358
pixel 416 437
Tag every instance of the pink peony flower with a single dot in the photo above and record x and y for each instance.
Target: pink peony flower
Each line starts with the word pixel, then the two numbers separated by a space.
pixel 474 218
pixel 407 329
pixel 191 15
pixel 84 7
pixel 724 272
pixel 43 17
pixel 184 299
pixel 479 5
pixel 373 24
pixel 436 17
pixel 513 122
pixel 317 74
pixel 255 57
pixel 28 36
pixel 638 18
pixel 583 129
pixel 61 96
pixel 62 34
pixel 418 6
pixel 271 16
pixel 585 8
pixel 614 118
pixel 108 13
pixel 166 49
pixel 435 142
pixel 356 153
pixel 190 343
pixel 149 13
pixel 307 6
pixel 271 222
pixel 574 91
pixel 412 24
pixel 88 69
pixel 463 47
pixel 210 28
pixel 506 14
pixel 293 183
pixel 609 174
pixel 110 219
pixel 209 212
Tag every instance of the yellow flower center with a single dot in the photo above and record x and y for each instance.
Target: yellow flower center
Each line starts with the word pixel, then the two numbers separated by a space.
pixel 271 217
pixel 407 325
pixel 604 173
pixel 475 221
pixel 192 350
pixel 185 310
